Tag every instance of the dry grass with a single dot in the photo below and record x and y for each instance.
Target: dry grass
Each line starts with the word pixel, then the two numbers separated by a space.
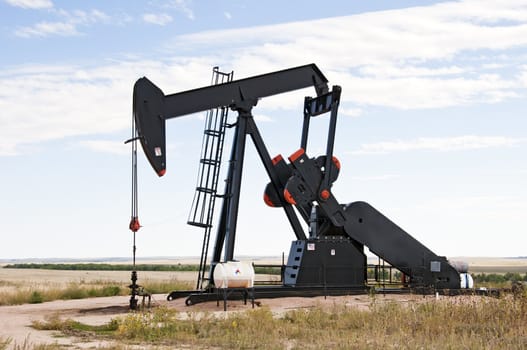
pixel 38 294
pixel 22 286
pixel 27 345
pixel 450 323
pixel 32 293
pixel 4 343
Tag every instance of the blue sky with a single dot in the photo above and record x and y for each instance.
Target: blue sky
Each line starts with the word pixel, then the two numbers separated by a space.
pixel 431 128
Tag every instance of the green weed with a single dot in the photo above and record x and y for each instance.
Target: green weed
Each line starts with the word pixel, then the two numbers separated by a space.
pixel 36 298
pixel 55 323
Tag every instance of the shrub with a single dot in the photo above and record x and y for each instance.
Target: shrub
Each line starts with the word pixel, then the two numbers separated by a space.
pixel 110 291
pixel 36 298
pixel 4 343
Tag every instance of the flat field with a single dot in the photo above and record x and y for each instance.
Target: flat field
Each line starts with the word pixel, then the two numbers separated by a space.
pixel 496 265
pixel 20 278
pixel 16 320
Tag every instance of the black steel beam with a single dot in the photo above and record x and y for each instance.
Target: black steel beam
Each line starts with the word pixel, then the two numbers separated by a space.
pixel 151 107
pixel 237 91
pixel 233 203
pixel 273 176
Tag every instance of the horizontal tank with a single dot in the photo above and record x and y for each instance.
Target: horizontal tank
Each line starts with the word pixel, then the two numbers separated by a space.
pixel 234 274
pixel 466 281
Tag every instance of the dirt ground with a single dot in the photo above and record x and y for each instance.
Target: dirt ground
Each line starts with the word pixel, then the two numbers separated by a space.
pixel 15 321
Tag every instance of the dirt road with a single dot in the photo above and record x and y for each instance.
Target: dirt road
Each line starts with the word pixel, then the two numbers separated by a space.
pixel 15 321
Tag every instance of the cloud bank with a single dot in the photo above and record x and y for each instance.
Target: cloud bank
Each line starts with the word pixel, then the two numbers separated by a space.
pixel 31 4
pixel 401 59
pixel 442 144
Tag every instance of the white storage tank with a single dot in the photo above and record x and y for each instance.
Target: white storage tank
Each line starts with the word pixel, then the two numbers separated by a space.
pixel 234 274
pixel 466 281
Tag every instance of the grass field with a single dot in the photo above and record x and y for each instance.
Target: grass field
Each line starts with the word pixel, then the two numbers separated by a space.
pixel 453 323
pixel 20 286
pixel 30 285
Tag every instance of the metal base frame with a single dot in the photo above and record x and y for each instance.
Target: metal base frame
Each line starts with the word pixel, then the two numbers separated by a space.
pixel 265 292
pixel 269 292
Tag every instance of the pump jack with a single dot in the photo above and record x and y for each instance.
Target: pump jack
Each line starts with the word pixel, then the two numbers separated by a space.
pixel 331 259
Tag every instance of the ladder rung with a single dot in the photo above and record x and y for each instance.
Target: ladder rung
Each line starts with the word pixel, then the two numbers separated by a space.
pixel 222 73
pixel 212 132
pixel 206 190
pixel 209 161
pixel 198 224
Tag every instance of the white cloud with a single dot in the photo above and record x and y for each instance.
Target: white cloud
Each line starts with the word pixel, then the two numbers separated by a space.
pixel 67 27
pixel 398 58
pixel 262 118
pixel 42 103
pixel 378 58
pixel 350 112
pixel 491 66
pixel 393 71
pixel 43 29
pixel 227 15
pixel 375 177
pixel 31 4
pixel 84 17
pixel 105 146
pixel 183 6
pixel 523 76
pixel 423 92
pixel 376 37
pixel 159 19
pixel 458 143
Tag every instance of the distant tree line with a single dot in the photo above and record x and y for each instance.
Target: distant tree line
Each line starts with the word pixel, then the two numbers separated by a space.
pixel 499 278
